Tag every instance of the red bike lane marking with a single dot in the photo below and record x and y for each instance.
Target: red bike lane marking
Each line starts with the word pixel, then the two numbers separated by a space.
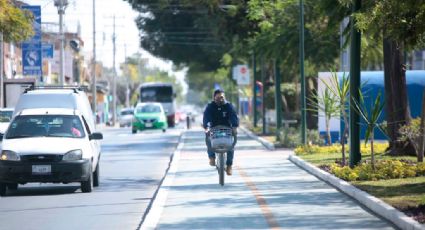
pixel 271 220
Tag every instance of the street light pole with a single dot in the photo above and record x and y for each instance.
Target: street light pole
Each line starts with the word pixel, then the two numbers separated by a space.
pixel 355 49
pixel 94 92
pixel 303 100
pixel 114 83
pixel 1 70
pixel 61 5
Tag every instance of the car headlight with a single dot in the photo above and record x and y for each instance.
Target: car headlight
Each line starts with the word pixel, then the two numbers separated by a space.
pixel 7 155
pixel 73 155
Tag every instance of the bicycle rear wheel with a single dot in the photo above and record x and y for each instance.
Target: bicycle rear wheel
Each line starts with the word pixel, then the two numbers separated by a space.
pixel 220 168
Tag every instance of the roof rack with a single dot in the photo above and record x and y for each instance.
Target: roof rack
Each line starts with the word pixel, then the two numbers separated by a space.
pixel 75 88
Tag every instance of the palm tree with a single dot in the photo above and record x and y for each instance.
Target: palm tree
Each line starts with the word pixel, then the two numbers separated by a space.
pixel 327 103
pixel 371 117
pixel 341 89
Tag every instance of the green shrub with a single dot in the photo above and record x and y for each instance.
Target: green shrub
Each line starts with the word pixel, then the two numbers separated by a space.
pixel 420 169
pixel 289 137
pixel 336 148
pixel 384 169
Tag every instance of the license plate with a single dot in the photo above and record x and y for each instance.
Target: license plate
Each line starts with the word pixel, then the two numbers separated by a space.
pixel 41 169
pixel 149 125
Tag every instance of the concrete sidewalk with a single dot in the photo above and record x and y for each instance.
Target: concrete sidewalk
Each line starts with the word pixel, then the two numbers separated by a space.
pixel 266 191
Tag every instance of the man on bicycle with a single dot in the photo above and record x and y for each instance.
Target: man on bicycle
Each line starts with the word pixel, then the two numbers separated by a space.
pixel 220 112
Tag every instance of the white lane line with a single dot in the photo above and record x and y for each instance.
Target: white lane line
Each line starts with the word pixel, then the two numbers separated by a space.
pixel 152 218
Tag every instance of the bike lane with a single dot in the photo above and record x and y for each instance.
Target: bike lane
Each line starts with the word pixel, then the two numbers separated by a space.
pixel 266 191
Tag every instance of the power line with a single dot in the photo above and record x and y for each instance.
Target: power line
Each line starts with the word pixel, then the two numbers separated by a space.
pixel 191 43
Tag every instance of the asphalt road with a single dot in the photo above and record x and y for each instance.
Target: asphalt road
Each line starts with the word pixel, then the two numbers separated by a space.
pixel 132 167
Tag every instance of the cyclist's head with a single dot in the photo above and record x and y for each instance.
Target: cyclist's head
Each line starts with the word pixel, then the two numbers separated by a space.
pixel 219 97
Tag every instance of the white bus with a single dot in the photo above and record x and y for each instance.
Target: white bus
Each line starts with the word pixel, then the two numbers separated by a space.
pixel 162 93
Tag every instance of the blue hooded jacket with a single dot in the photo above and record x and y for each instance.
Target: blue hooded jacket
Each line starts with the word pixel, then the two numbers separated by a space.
pixel 220 115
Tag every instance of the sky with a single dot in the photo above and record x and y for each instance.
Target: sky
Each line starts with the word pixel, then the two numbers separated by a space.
pixel 127 33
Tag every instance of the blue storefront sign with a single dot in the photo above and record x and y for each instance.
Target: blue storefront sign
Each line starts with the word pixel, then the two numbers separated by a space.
pixel 32 59
pixel 36 25
pixel 32 49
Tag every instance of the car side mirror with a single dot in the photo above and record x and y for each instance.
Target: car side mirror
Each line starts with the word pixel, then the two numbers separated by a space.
pixel 96 136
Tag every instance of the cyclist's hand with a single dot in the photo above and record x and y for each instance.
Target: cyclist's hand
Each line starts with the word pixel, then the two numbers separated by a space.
pixel 207 131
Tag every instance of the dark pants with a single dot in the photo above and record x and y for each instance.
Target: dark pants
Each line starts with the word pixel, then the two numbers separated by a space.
pixel 211 154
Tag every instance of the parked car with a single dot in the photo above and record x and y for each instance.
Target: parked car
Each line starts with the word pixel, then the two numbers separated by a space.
pixel 5 118
pixel 51 139
pixel 125 117
pixel 149 116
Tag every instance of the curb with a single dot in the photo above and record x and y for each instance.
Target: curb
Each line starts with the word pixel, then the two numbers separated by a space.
pixel 266 143
pixel 156 207
pixel 376 205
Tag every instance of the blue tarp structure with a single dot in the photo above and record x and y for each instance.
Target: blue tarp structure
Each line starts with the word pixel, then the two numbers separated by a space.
pixel 373 84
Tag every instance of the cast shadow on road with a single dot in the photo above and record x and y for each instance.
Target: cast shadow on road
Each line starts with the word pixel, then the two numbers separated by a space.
pixel 106 185
pixel 127 184
pixel 296 204
pixel 45 190
pixel 136 146
pixel 255 221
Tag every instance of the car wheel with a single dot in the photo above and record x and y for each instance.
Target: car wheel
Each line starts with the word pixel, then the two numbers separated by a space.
pixel 87 186
pixel 12 186
pixel 3 189
pixel 96 176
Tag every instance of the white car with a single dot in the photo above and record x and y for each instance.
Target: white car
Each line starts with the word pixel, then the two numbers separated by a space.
pixel 5 118
pixel 51 139
pixel 126 117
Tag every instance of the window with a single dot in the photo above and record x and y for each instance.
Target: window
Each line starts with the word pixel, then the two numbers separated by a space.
pixel 46 125
pixel 149 109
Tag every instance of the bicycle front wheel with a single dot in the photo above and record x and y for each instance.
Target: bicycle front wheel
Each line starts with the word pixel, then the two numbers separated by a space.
pixel 221 161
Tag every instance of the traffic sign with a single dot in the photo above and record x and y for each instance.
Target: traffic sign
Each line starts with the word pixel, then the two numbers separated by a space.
pixel 242 72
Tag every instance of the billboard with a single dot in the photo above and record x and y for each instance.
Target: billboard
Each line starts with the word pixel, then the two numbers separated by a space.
pixel 32 49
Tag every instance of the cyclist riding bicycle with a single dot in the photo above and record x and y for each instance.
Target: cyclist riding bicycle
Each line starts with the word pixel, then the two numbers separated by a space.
pixel 220 112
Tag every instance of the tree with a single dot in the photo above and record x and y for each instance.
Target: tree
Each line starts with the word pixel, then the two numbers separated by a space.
pixel 15 24
pixel 326 103
pixel 187 32
pixel 136 72
pixel 370 114
pixel 401 25
pixel 341 89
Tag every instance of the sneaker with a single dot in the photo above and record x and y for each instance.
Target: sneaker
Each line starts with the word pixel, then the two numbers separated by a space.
pixel 212 161
pixel 229 170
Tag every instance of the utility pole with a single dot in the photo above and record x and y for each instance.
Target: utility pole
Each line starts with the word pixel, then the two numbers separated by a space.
pixel 303 101
pixel 278 96
pixel 355 155
pixel 1 71
pixel 254 87
pixel 263 96
pixel 114 83
pixel 94 91
pixel 127 91
pixel 61 5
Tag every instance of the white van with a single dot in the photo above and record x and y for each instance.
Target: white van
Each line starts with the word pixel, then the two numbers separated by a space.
pixel 51 138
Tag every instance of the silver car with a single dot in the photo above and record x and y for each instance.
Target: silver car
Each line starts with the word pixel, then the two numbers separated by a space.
pixel 125 117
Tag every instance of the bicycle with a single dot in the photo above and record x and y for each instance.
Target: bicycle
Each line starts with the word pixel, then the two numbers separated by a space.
pixel 222 140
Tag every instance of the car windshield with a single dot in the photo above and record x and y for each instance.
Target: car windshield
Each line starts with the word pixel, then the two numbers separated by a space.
pixel 5 116
pixel 149 109
pixel 46 125
pixel 156 94
pixel 126 112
